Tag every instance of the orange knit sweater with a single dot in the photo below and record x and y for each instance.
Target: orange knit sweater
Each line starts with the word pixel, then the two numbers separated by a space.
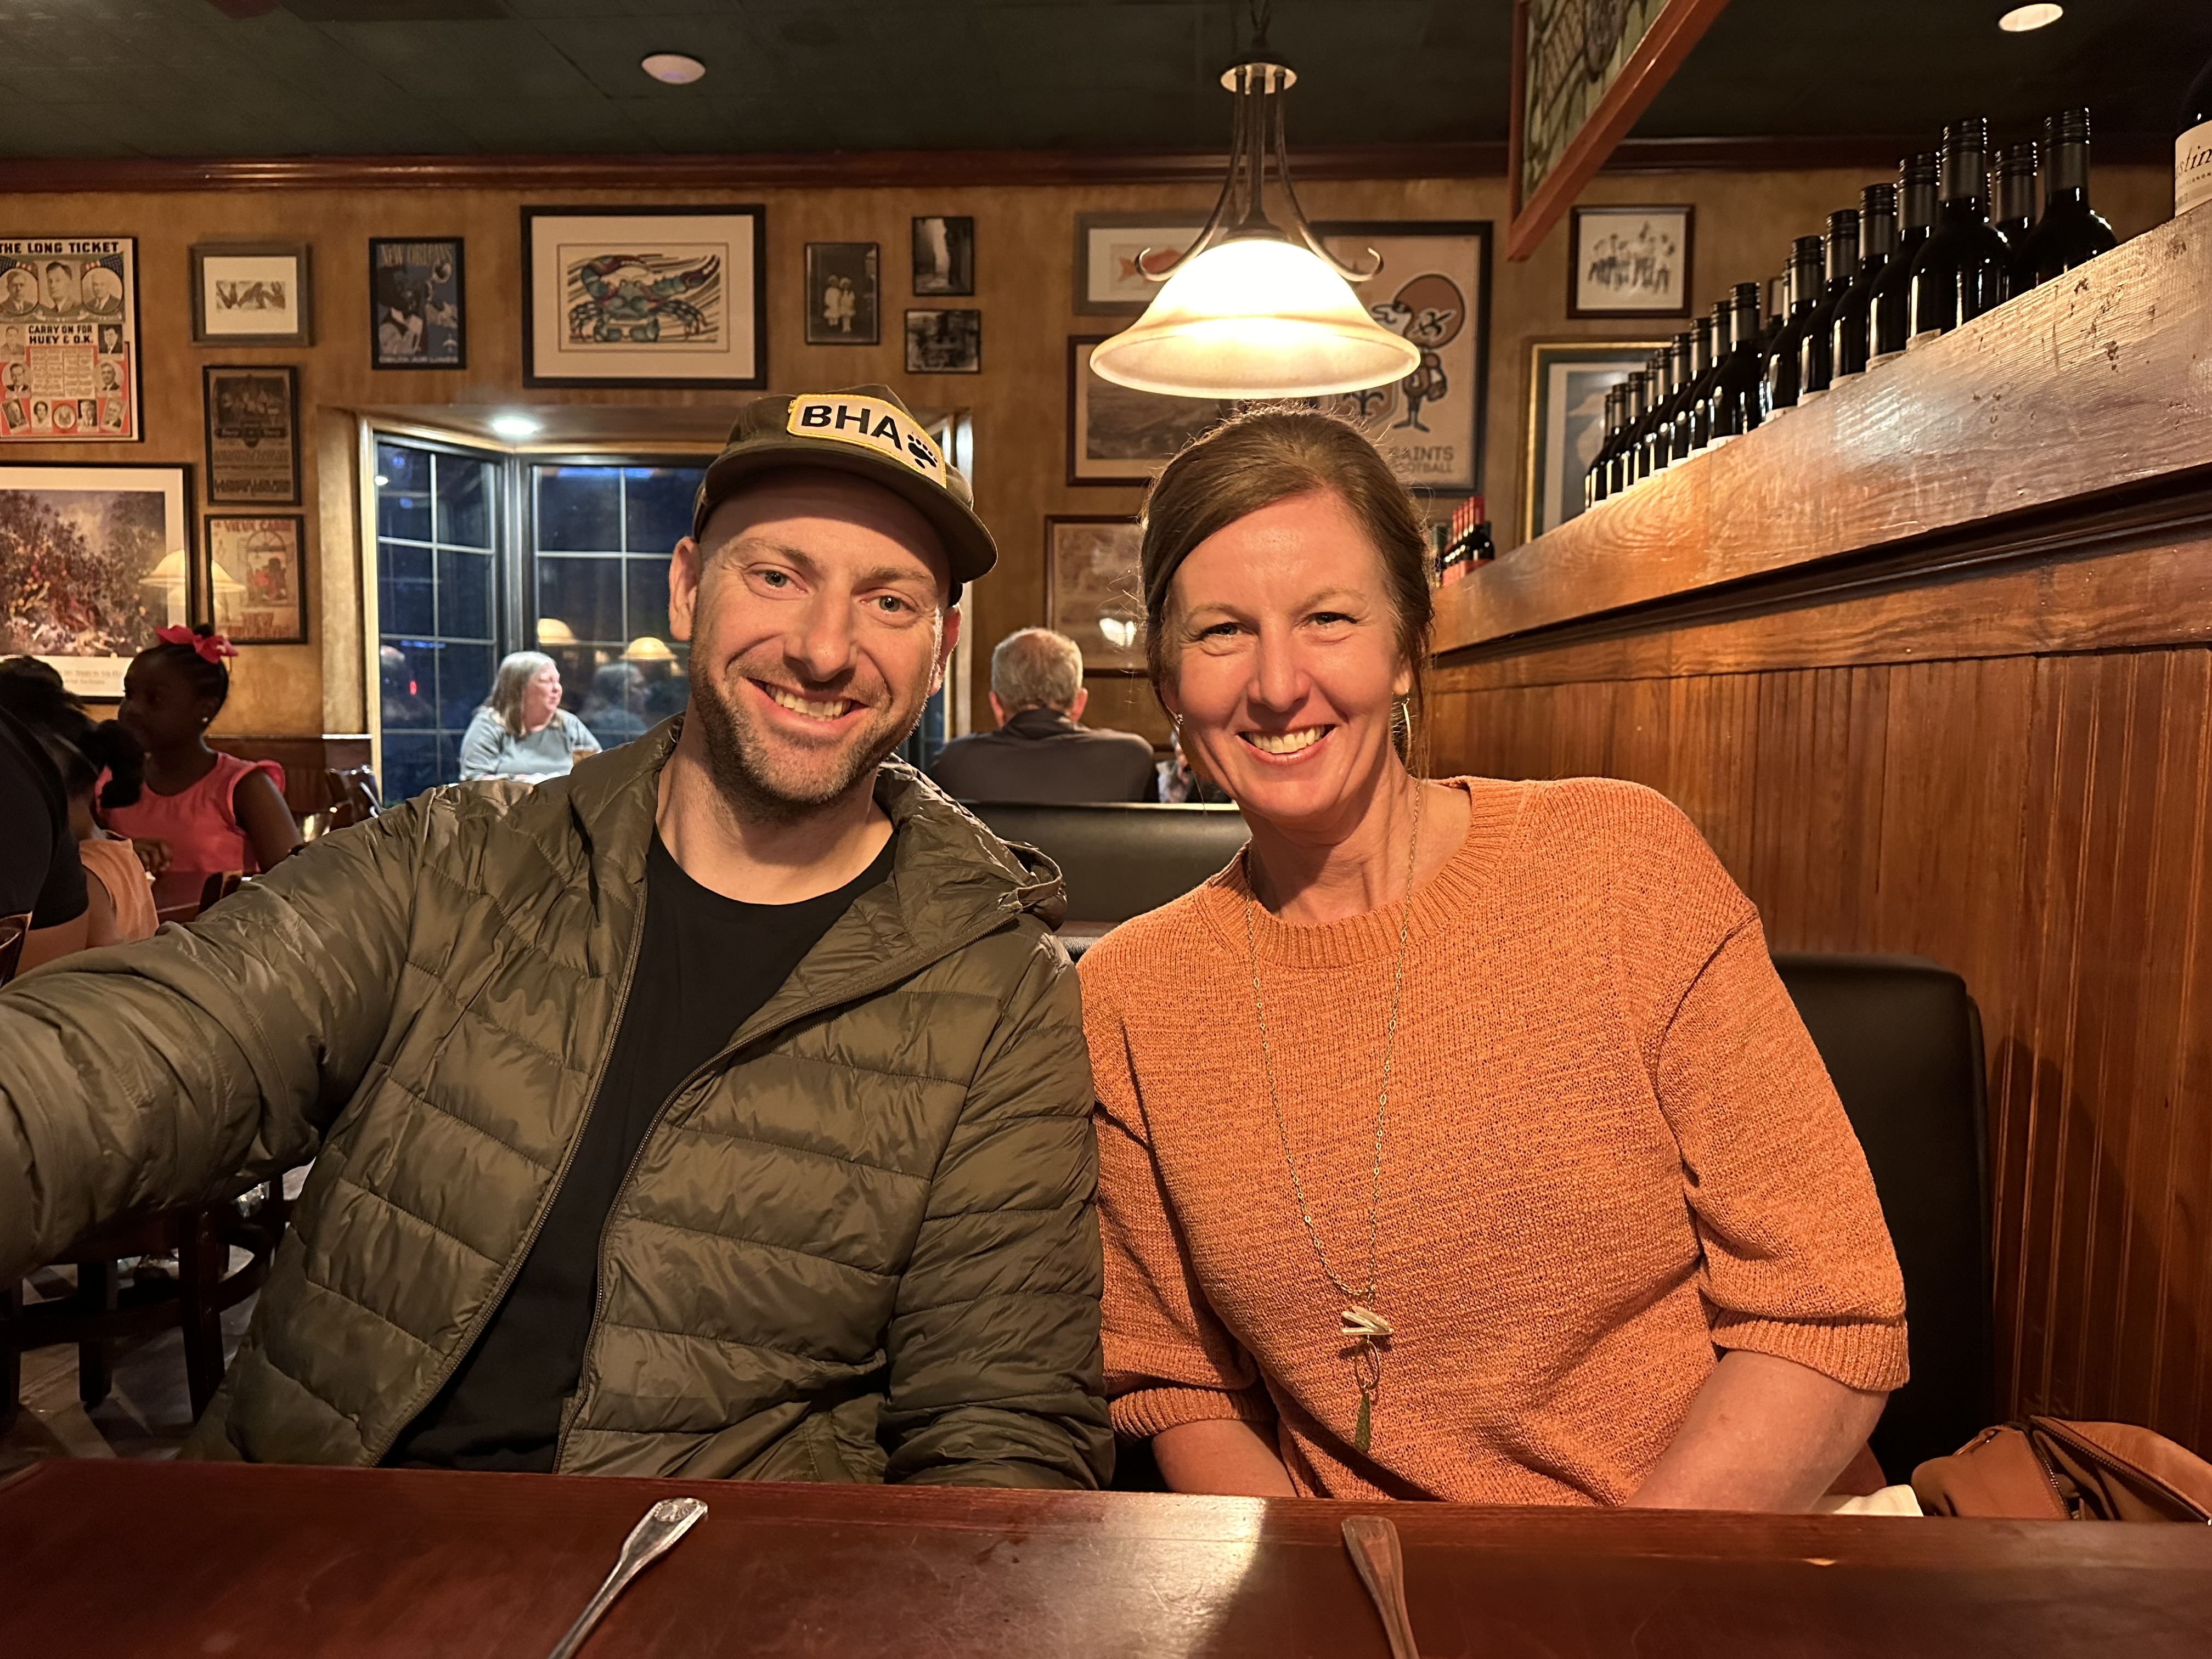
pixel 1612 1152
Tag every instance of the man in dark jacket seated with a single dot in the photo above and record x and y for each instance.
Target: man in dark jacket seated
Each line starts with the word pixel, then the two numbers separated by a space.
pixel 722 1109
pixel 1040 752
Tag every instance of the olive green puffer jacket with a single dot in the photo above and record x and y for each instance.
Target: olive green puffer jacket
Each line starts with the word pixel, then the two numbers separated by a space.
pixel 858 1245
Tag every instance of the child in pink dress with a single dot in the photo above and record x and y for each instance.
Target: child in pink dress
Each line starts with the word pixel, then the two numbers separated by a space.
pixel 201 808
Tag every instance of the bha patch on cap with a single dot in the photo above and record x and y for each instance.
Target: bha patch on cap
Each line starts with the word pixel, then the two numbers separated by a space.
pixel 867 423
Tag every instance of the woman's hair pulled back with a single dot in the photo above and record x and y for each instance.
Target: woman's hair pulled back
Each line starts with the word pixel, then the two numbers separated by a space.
pixel 1262 456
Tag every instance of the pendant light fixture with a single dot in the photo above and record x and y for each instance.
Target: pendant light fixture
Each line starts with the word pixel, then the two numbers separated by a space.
pixel 1254 309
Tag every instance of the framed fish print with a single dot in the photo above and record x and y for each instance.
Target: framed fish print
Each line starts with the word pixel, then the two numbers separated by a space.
pixel 252 294
pixel 1114 252
pixel 645 296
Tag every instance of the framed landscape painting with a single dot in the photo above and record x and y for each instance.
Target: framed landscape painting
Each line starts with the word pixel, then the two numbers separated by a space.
pixel 669 296
pixel 1567 383
pixel 1094 592
pixel 1119 435
pixel 93 559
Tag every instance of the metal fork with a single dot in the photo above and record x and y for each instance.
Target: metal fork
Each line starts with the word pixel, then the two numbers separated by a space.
pixel 648 1540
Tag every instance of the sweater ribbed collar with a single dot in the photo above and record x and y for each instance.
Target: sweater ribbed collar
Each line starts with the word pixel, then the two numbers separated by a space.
pixel 1443 905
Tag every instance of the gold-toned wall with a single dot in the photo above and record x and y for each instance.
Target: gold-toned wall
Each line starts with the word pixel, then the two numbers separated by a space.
pixel 1025 288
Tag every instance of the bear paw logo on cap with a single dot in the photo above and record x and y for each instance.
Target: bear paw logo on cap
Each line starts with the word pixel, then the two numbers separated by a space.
pixel 867 423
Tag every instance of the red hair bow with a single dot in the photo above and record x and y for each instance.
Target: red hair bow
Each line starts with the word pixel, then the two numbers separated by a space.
pixel 212 648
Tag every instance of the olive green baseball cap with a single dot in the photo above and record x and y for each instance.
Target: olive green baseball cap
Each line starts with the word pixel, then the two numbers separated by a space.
pixel 863 430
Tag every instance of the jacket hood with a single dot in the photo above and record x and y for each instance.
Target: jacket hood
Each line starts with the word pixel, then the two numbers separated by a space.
pixel 949 873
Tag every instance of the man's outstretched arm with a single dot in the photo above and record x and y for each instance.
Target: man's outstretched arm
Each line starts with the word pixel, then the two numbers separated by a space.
pixel 146 1075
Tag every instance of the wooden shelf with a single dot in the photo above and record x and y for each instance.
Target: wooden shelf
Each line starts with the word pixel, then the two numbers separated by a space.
pixel 2086 394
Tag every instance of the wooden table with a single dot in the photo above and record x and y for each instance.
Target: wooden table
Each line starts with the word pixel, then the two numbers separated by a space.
pixel 109 1558
pixel 177 894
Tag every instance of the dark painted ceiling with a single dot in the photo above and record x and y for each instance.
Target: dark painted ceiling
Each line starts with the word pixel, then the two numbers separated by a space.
pixel 181 77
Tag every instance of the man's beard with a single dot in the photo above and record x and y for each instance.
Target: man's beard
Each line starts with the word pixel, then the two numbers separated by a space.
pixel 759 788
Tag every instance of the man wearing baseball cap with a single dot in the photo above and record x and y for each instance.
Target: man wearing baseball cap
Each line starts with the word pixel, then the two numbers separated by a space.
pixel 719 1109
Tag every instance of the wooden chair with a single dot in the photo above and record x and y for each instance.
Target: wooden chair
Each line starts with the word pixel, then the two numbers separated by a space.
pixel 99 1313
pixel 219 886
pixel 354 797
pixel 14 930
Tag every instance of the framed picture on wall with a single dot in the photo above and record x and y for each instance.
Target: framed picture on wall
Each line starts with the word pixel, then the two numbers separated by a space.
pixel 254 572
pixel 1093 591
pixel 113 545
pixel 1433 288
pixel 945 342
pixel 1629 262
pixel 68 339
pixel 841 294
pixel 252 415
pixel 943 255
pixel 1567 383
pixel 651 296
pixel 1113 251
pixel 252 294
pixel 415 303
pixel 1118 435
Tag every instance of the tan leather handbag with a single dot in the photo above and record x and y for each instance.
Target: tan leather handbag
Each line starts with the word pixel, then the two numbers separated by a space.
pixel 2047 1469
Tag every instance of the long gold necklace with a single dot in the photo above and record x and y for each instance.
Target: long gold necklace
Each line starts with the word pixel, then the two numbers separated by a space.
pixel 1358 1323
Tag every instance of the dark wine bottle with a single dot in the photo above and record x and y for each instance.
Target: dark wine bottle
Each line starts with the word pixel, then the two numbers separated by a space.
pixel 1816 345
pixel 1648 450
pixel 2070 231
pixel 1961 271
pixel 1631 434
pixel 2012 193
pixel 1850 329
pixel 1780 383
pixel 1479 546
pixel 2192 146
pixel 1674 435
pixel 1915 214
pixel 1594 474
pixel 1724 319
pixel 1736 392
pixel 1690 420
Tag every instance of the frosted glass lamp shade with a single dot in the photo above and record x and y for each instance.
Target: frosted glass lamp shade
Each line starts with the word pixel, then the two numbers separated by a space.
pixel 1254 318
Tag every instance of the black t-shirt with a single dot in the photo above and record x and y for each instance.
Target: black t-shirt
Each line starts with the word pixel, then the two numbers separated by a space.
pixel 705 965
pixel 39 870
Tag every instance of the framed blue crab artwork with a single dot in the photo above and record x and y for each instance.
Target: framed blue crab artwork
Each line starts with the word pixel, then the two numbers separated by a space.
pixel 644 296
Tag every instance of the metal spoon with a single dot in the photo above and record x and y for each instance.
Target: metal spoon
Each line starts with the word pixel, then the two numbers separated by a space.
pixel 648 1540
pixel 1373 1542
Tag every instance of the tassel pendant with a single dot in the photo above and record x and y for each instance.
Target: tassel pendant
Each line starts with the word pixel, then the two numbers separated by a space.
pixel 1364 1432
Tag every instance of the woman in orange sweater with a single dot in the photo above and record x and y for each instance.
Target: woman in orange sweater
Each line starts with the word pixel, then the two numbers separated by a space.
pixel 1458 1140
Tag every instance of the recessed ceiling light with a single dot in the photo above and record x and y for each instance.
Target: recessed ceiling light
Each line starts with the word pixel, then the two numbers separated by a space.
pixel 2021 19
pixel 515 426
pixel 676 69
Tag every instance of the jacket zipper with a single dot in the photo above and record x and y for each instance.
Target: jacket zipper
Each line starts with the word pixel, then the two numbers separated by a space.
pixel 866 988
pixel 545 1208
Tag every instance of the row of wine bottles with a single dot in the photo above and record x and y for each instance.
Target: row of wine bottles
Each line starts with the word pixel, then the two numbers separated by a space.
pixel 1911 263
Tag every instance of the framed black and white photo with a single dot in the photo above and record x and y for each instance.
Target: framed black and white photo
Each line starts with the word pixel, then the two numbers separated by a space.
pixel 1629 262
pixel 68 339
pixel 252 294
pixel 1094 591
pixel 1119 435
pixel 1434 289
pixel 841 294
pixel 253 571
pixel 111 545
pixel 415 303
pixel 945 342
pixel 1113 251
pixel 668 296
pixel 253 415
pixel 943 255
pixel 1567 383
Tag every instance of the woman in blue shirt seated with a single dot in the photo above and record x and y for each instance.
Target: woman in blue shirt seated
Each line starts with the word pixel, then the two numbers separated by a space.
pixel 523 731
